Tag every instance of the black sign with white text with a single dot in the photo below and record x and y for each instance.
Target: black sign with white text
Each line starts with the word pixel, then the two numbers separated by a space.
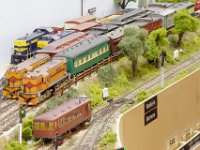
pixel 150 104
pixel 150 116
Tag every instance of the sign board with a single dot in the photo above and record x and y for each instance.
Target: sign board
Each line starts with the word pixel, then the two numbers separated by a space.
pixel 92 10
pixel 105 92
pixel 150 104
pixel 150 116
pixel 176 53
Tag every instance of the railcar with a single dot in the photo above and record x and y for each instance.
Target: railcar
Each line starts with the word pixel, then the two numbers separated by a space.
pixel 62 119
pixel 48 38
pixel 86 54
pixel 148 23
pixel 43 82
pixel 115 37
pixel 197 6
pixel 24 47
pixel 130 17
pixel 15 75
pixel 109 18
pixel 60 45
pixel 166 16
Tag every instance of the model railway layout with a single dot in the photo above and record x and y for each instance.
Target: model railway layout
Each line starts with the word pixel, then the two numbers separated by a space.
pixel 48 61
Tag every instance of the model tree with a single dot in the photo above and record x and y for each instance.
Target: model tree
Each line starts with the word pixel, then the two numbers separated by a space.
pixel 156 40
pixel 134 43
pixel 184 22
pixel 123 3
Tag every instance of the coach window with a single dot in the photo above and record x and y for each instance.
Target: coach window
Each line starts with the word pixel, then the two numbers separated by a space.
pixel 86 58
pixel 51 126
pixel 46 124
pixel 82 60
pixel 90 56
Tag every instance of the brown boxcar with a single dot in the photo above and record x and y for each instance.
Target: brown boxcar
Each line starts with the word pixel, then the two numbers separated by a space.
pixel 64 43
pixel 148 23
pixel 115 37
pixel 62 119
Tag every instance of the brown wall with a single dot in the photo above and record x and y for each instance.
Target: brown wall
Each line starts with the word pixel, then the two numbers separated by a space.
pixel 178 112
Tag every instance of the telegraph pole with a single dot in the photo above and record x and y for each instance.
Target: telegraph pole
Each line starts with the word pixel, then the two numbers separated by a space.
pixel 81 7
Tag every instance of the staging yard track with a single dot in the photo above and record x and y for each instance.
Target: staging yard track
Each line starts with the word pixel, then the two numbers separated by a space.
pixel 98 124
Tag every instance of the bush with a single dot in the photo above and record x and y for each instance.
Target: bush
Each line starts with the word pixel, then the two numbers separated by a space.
pixel 106 75
pixel 72 93
pixel 108 139
pixel 141 95
pixel 15 145
pixel 27 133
pixel 173 39
pixel 27 128
pixel 95 95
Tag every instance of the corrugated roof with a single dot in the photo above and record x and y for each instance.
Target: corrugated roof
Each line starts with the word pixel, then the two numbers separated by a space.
pixel 61 110
pixel 83 26
pixel 182 5
pixel 29 63
pixel 82 19
pixel 44 69
pixel 84 46
pixel 165 12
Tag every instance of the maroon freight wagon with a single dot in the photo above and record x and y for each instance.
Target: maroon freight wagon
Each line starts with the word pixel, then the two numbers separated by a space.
pixel 62 119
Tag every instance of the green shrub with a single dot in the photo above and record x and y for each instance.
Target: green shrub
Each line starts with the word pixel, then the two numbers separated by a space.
pixel 173 39
pixel 15 145
pixel 27 133
pixel 95 94
pixel 72 93
pixel 106 75
pixel 108 140
pixel 141 95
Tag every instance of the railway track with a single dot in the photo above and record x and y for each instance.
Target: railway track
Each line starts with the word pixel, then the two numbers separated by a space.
pixel 99 122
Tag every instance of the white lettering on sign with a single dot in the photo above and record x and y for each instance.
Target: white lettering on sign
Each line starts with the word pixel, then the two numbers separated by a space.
pixel 150 117
pixel 150 104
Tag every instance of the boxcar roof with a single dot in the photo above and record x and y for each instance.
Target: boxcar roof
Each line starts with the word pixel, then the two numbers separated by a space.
pixel 165 12
pixel 119 32
pixel 182 5
pixel 64 43
pixel 131 16
pixel 84 46
pixel 29 63
pixel 44 69
pixel 82 19
pixel 61 110
pixel 83 26
pixel 144 21
pixel 161 4
pixel 128 15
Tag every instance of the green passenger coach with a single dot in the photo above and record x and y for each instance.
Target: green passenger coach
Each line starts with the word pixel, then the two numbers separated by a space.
pixel 86 54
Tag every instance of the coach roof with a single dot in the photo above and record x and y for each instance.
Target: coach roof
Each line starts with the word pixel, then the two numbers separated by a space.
pixel 61 110
pixel 83 46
